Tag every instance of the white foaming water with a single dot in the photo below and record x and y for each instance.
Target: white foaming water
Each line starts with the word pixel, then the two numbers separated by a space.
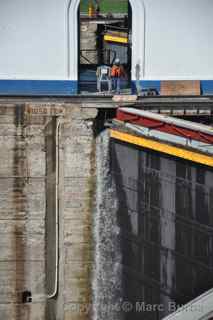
pixel 107 279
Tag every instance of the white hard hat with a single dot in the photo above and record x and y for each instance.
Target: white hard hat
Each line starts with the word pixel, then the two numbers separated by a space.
pixel 117 60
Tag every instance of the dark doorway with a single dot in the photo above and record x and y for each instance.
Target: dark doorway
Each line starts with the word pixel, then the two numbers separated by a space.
pixel 105 29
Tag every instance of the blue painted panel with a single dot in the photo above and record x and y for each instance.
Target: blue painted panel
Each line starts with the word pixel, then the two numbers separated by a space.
pixel 206 87
pixel 69 87
pixel 38 87
pixel 150 84
pixel 146 84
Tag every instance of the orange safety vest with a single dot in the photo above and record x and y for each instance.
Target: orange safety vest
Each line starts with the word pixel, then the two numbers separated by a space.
pixel 116 71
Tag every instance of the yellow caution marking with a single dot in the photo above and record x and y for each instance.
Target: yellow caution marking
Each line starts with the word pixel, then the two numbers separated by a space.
pixel 115 39
pixel 162 147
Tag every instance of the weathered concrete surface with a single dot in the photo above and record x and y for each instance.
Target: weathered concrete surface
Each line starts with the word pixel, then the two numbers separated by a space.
pixel 22 217
pixel 79 187
pixel 27 211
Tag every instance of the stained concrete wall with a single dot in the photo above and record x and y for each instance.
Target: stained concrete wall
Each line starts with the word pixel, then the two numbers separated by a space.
pixel 27 209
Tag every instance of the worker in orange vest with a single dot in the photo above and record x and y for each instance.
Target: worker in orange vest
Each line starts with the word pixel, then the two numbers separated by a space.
pixel 117 72
pixel 91 9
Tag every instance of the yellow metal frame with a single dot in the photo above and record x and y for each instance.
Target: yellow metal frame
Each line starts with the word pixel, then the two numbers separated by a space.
pixel 162 147
pixel 115 39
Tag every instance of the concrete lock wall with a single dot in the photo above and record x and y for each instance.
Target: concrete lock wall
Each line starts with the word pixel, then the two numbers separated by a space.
pixel 27 210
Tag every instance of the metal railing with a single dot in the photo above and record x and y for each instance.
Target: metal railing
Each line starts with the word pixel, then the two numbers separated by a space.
pixel 108 55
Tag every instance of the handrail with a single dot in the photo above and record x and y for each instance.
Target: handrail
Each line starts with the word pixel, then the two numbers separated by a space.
pixel 112 28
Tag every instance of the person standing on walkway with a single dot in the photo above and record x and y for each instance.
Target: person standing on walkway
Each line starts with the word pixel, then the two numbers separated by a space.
pixel 117 72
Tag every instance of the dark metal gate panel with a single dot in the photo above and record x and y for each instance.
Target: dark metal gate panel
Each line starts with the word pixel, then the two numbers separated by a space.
pixel 166 218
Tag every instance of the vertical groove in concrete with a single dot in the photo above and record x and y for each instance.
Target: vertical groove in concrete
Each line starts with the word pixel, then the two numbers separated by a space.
pixel 19 169
pixel 50 221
